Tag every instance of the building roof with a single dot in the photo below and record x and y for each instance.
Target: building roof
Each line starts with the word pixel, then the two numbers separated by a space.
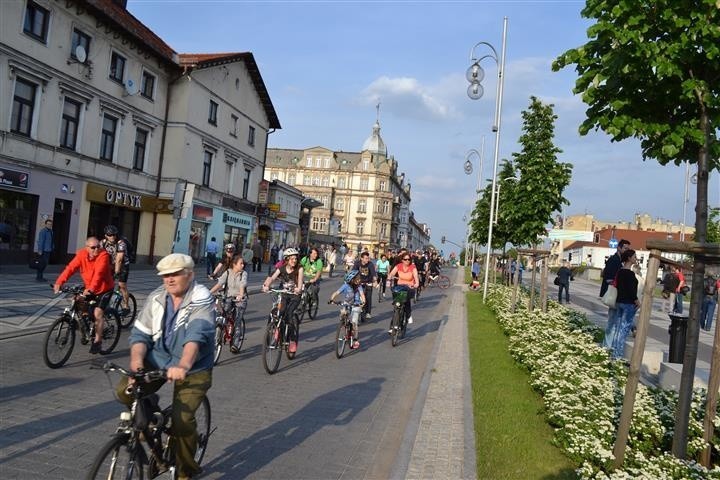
pixel 637 238
pixel 208 60
pixel 291 158
pixel 121 18
pixel 374 143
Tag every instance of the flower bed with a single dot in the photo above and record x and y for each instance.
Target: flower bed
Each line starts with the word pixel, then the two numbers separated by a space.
pixel 583 389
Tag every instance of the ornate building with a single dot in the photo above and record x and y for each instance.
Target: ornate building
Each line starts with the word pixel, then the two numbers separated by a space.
pixel 364 199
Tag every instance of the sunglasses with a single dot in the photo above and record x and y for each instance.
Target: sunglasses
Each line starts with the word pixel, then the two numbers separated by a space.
pixel 406 259
pixel 93 247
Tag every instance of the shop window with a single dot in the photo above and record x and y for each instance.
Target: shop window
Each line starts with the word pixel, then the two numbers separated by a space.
pixel 23 107
pixel 141 137
pixel 69 124
pixel 107 138
pixel 36 22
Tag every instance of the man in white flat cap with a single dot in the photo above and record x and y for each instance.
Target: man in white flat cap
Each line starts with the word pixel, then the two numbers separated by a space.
pixel 175 331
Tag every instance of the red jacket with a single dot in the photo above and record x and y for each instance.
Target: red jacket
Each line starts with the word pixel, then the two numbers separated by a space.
pixel 95 272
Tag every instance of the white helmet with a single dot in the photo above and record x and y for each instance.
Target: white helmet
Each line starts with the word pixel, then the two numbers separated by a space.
pixel 290 252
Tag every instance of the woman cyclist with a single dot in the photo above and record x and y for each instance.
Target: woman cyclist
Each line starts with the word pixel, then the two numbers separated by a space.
pixel 225 263
pixel 312 269
pixel 407 279
pixel 381 268
pixel 290 275
pixel 354 294
pixel 234 284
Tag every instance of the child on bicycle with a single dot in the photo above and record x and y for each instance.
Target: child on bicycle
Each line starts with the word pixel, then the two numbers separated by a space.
pixel 354 294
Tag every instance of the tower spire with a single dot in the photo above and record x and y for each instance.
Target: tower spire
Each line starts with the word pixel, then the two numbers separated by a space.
pixel 377 107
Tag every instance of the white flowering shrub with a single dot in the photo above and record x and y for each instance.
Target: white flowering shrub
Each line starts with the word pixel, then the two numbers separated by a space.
pixel 583 388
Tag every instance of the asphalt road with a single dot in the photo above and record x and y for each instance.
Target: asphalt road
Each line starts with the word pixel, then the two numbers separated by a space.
pixel 317 418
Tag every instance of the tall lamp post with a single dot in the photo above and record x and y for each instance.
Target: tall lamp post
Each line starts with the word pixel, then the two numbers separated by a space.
pixel 468 167
pixel 475 74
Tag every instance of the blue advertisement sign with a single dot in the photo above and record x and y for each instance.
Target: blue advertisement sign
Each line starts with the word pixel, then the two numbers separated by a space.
pixel 613 243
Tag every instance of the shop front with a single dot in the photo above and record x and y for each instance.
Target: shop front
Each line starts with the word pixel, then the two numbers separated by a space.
pixel 227 226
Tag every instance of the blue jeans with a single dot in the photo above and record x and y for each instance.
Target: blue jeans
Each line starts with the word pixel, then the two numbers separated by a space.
pixel 625 313
pixel 609 329
pixel 678 303
pixel 708 312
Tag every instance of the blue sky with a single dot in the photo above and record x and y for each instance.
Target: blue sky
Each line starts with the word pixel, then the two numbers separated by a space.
pixel 326 65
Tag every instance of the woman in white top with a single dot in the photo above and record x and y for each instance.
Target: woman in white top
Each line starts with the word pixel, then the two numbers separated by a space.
pixel 233 282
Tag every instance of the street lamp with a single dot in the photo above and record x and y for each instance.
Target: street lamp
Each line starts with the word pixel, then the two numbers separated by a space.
pixel 475 75
pixel 497 197
pixel 468 170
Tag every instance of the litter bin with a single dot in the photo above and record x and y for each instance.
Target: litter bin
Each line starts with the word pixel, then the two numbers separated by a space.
pixel 678 332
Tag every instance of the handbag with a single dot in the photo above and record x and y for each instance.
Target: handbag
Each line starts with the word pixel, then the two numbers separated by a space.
pixel 684 290
pixel 557 281
pixel 36 263
pixel 610 297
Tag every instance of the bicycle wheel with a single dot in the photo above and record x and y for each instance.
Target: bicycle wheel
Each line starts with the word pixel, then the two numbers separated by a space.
pixel 403 323
pixel 127 317
pixel 300 310
pixel 240 334
pixel 443 281
pixel 117 461
pixel 59 342
pixel 395 328
pixel 341 337
pixel 111 332
pixel 272 348
pixel 219 334
pixel 290 355
pixel 312 307
pixel 202 420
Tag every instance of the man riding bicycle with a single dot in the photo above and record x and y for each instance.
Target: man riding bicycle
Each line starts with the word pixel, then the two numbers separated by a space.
pixel 175 331
pixel 312 270
pixel 117 248
pixel 368 277
pixel 94 265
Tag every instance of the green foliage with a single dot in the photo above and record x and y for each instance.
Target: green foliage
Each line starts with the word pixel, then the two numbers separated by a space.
pixel 713 228
pixel 650 69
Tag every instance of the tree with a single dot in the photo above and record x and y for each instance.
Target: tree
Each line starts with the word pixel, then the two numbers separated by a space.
pixel 481 212
pixel 651 71
pixel 528 206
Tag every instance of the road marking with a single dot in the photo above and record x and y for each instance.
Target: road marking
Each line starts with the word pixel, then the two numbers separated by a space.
pixel 33 318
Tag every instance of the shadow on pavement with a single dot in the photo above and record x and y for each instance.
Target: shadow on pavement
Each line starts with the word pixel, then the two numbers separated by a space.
pixel 37 387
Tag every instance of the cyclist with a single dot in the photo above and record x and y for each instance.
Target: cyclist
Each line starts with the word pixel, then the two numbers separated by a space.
pixel 225 263
pixel 234 285
pixel 290 274
pixel 409 280
pixel 312 269
pixel 354 294
pixel 94 265
pixel 117 248
pixel 175 331
pixel 434 265
pixel 382 266
pixel 369 279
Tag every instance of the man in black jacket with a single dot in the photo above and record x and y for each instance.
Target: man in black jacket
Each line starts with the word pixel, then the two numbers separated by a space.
pixel 612 265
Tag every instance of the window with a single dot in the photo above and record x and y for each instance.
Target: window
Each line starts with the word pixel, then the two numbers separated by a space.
pixel 315 223
pixel 117 67
pixel 326 162
pixel 362 205
pixel 36 21
pixel 246 183
pixel 366 164
pixel 318 162
pixel 386 207
pixel 360 227
pixel 291 179
pixel 139 150
pixel 273 176
pixel 341 182
pixel 319 224
pixel 207 166
pixel 383 230
pixel 316 181
pixel 233 124
pixel 325 181
pixel 147 89
pixel 307 180
pixel 340 204
pixel 364 184
pixel 325 201
pixel 79 39
pixel 339 225
pixel 212 113
pixel 383 186
pixel 251 136
pixel 309 162
pixel 107 138
pixel 23 107
pixel 69 124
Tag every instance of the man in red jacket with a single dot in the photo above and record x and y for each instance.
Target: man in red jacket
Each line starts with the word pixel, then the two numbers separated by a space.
pixel 94 265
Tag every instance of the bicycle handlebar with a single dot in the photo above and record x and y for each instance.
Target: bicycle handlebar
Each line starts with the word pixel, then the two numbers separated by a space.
pixel 143 376
pixel 288 292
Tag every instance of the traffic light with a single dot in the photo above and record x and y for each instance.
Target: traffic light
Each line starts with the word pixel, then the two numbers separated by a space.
pixel 442 240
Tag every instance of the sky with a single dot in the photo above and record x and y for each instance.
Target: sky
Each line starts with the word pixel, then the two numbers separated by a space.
pixel 326 64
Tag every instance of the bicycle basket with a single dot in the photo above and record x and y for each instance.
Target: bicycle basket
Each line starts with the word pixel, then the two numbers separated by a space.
pixel 399 295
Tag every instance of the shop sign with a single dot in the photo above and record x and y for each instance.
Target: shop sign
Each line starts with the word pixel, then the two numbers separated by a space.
pixel 118 197
pixel 281 214
pixel 273 207
pixel 13 178
pixel 280 226
pixel 113 196
pixel 264 187
pixel 204 214
pixel 244 221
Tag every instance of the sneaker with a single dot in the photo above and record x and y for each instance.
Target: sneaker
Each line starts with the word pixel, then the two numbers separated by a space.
pixel 293 347
pixel 356 344
pixel 409 321
pixel 95 348
pixel 384 295
pixel 234 349
pixel 368 316
pixel 390 330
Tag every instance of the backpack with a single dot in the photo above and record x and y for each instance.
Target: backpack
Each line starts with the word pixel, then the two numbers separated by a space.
pixel 130 252
pixel 710 286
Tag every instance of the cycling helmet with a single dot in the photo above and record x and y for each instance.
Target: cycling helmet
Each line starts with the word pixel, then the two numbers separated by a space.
pixel 350 275
pixel 229 246
pixel 111 230
pixel 290 252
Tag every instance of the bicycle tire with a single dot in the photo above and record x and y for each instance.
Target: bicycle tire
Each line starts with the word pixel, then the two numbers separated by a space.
pixel 127 319
pixel 240 333
pixel 443 282
pixel 312 307
pixel 395 328
pixel 60 337
pixel 341 337
pixel 203 422
pixel 300 310
pixel 403 323
pixel 111 332
pixel 117 461
pixel 290 355
pixel 272 348
pixel 219 336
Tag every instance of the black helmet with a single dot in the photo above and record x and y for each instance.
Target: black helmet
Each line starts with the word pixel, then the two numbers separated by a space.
pixel 111 230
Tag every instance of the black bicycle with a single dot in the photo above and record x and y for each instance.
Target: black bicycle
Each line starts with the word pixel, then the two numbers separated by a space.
pixel 60 337
pixel 225 326
pixel 126 315
pixel 308 302
pixel 399 319
pixel 276 334
pixel 124 456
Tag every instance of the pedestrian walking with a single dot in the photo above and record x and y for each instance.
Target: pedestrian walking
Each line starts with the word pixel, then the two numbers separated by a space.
pixel 564 275
pixel 257 256
pixel 45 246
pixel 211 251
